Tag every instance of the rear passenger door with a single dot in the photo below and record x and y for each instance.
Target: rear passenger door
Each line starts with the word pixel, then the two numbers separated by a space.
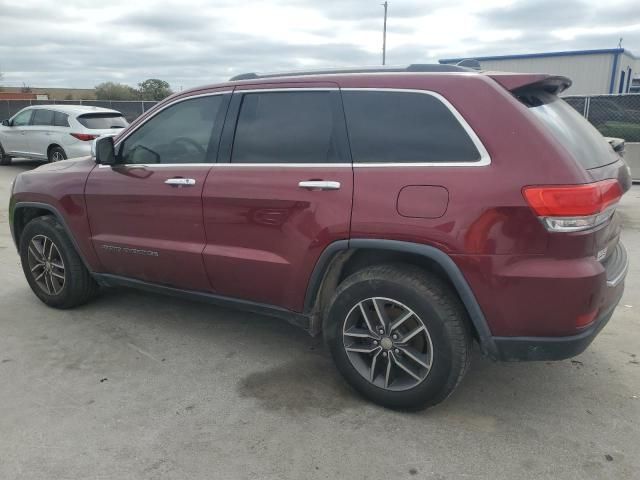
pixel 280 194
pixel 41 131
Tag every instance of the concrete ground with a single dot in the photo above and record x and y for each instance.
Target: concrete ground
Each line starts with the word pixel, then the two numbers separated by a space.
pixel 140 386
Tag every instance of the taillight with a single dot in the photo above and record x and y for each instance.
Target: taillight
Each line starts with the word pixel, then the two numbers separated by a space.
pixel 572 208
pixel 85 137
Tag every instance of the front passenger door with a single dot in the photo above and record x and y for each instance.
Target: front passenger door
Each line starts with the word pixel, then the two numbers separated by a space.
pixel 145 212
pixel 15 140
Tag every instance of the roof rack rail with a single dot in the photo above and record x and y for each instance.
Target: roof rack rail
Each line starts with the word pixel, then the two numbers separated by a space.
pixel 471 63
pixel 414 67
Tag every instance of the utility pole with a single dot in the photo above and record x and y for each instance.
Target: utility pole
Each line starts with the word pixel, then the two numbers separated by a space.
pixel 384 34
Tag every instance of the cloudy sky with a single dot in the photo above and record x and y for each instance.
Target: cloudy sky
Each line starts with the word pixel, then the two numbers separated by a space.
pixel 76 43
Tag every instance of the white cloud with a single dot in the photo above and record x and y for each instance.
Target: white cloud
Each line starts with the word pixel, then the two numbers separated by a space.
pixel 81 43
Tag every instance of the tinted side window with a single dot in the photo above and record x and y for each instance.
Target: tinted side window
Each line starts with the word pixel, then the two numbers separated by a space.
pixel 286 127
pixel 399 127
pixel 42 117
pixel 60 119
pixel 22 118
pixel 179 134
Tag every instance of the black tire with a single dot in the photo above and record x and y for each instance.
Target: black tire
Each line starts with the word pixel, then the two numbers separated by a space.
pixel 78 286
pixel 434 304
pixel 56 154
pixel 4 158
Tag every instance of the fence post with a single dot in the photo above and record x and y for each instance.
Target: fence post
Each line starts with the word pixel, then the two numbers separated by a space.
pixel 587 106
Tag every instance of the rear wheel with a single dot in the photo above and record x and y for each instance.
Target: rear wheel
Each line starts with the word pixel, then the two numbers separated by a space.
pixel 52 267
pixel 399 336
pixel 56 154
pixel 4 158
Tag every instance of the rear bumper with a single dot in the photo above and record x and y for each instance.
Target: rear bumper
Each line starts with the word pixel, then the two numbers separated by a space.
pixel 532 305
pixel 512 349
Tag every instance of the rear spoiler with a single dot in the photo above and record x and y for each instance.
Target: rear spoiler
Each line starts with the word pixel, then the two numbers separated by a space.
pixel 521 82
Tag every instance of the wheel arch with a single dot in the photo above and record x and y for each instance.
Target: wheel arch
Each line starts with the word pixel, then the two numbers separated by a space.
pixel 344 257
pixel 22 213
pixel 52 146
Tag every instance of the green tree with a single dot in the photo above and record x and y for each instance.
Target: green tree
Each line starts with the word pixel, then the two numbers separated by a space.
pixel 116 91
pixel 154 89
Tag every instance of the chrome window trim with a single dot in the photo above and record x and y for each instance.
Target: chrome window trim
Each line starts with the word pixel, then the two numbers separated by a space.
pixel 227 165
pixel 158 165
pixel 286 165
pixel 239 90
pixel 485 158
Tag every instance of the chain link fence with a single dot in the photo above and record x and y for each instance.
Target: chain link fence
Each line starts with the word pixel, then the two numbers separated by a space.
pixel 130 109
pixel 613 115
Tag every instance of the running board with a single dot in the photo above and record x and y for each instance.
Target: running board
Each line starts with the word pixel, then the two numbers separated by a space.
pixel 297 319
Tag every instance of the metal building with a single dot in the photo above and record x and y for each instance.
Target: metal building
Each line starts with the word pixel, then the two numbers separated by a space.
pixel 593 72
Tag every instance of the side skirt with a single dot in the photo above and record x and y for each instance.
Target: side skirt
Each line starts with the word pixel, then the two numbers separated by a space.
pixel 298 319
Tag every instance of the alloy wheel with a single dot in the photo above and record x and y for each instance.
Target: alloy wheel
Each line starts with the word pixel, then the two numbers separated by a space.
pixel 387 343
pixel 46 265
pixel 57 156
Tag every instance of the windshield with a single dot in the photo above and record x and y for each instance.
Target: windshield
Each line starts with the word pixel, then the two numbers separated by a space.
pixel 102 121
pixel 569 127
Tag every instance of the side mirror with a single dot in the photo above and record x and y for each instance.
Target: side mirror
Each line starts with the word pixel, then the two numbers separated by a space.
pixel 617 144
pixel 103 151
pixel 6 123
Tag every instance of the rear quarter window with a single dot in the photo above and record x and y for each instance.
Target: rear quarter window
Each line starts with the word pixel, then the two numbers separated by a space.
pixel 405 127
pixel 60 119
pixel 102 121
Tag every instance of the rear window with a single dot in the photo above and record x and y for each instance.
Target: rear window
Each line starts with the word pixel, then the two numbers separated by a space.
pixel 570 128
pixel 102 121
pixel 404 127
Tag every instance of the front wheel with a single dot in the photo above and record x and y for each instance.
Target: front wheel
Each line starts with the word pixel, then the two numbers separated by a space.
pixel 53 268
pixel 399 336
pixel 4 158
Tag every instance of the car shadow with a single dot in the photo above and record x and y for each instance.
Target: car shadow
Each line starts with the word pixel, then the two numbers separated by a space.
pixel 288 371
pixel 22 164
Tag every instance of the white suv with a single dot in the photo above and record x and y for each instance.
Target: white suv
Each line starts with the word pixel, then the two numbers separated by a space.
pixel 56 132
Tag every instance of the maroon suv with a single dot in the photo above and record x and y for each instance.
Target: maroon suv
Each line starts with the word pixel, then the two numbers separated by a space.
pixel 404 213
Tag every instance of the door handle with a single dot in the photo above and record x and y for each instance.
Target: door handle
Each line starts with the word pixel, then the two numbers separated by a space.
pixel 320 185
pixel 180 182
